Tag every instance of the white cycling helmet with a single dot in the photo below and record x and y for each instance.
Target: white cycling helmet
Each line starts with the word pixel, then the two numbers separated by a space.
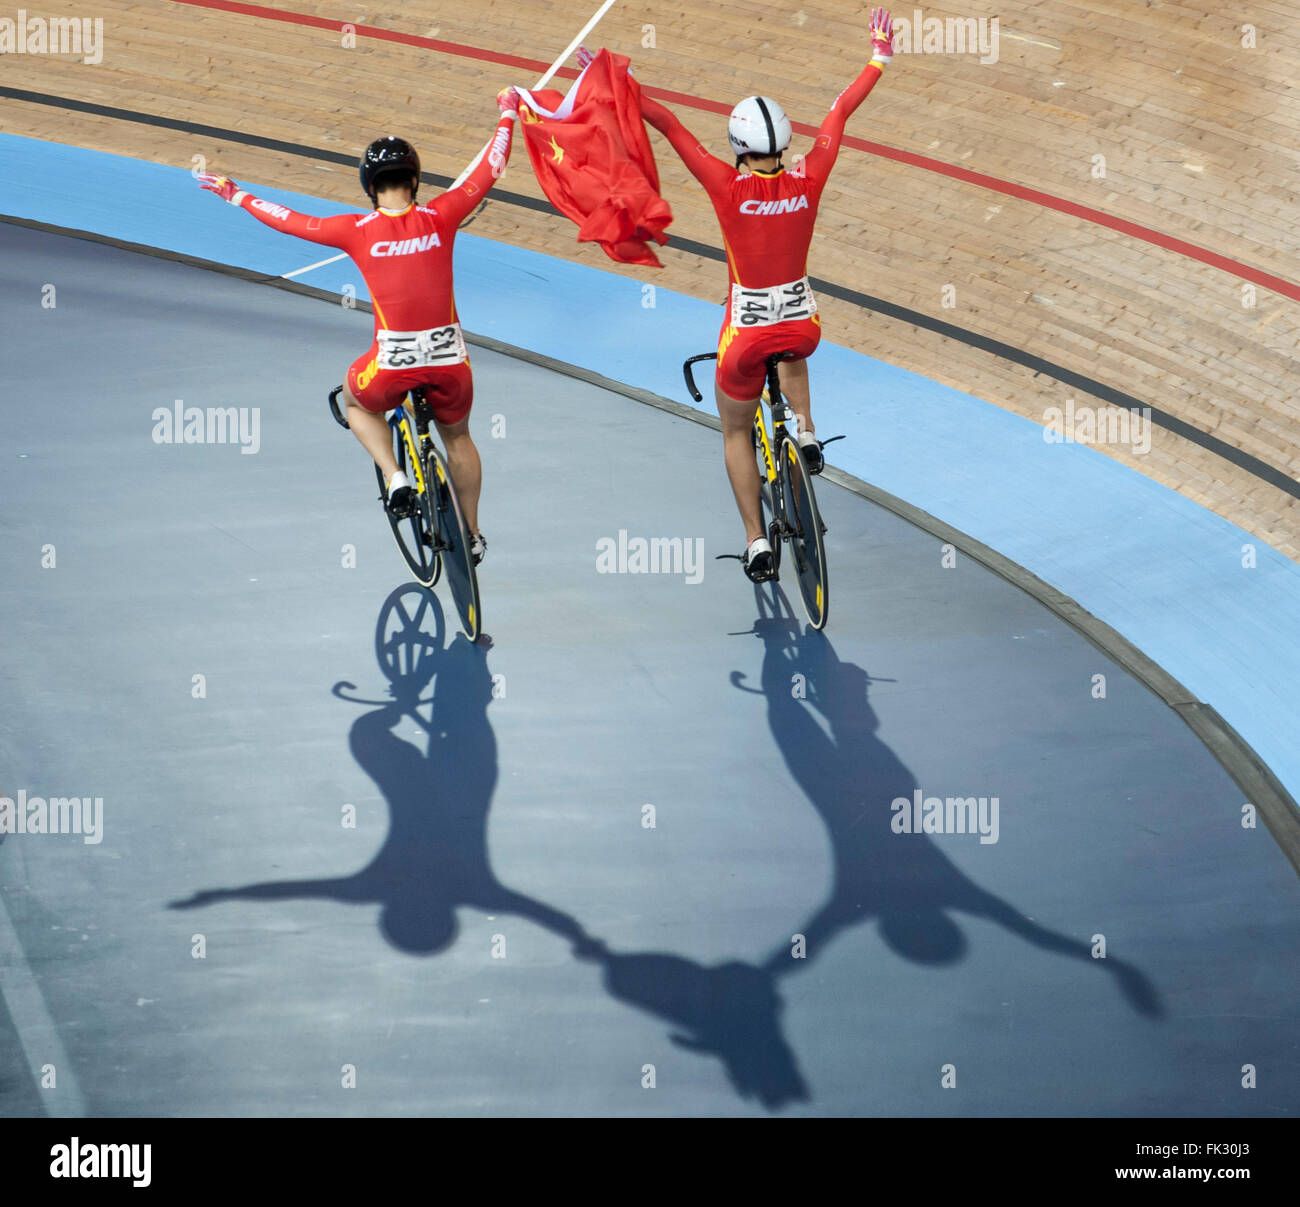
pixel 758 126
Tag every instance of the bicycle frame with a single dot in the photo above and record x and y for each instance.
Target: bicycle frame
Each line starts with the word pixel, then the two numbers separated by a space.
pixel 766 445
pixel 437 525
pixel 773 445
pixel 400 420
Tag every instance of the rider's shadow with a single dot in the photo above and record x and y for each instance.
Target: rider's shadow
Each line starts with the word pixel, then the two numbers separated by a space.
pixel 435 857
pixel 903 882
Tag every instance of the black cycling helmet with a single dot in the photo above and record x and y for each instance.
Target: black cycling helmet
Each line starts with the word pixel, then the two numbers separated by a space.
pixel 388 155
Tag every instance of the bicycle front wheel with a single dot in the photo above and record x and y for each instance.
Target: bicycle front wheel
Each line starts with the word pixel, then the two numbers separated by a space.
pixel 452 541
pixel 415 534
pixel 805 523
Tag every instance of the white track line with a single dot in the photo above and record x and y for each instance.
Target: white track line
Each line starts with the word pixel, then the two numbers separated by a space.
pixel 1015 37
pixel 36 1030
pixel 297 272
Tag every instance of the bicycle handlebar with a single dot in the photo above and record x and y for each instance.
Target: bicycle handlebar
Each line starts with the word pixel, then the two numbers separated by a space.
pixel 334 406
pixel 690 377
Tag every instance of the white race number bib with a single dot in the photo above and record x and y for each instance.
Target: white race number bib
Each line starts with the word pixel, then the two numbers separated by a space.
pixel 777 304
pixel 421 349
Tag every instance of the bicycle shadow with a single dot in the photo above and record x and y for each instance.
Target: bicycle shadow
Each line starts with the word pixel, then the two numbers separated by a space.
pixel 435 858
pixel 902 881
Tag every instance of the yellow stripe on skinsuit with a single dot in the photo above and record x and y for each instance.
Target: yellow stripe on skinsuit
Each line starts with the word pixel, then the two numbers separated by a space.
pixel 367 375
pixel 725 341
pixel 454 319
pixel 731 267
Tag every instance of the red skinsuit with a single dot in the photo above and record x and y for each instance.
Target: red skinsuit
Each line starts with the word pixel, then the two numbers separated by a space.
pixel 764 247
pixel 405 259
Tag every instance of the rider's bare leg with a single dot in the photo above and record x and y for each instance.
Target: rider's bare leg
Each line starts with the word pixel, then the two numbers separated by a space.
pixel 738 450
pixel 466 468
pixel 372 430
pixel 794 385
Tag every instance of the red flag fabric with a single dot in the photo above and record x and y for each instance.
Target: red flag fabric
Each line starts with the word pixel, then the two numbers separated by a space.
pixel 593 160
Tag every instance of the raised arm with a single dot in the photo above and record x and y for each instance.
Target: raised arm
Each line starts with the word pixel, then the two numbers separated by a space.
pixel 827 147
pixel 332 231
pixel 455 204
pixel 709 170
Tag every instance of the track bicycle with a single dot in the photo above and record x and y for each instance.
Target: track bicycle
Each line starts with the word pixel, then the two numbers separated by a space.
pixel 434 534
pixel 789 506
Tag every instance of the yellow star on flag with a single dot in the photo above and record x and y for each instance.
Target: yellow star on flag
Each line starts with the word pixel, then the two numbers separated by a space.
pixel 559 151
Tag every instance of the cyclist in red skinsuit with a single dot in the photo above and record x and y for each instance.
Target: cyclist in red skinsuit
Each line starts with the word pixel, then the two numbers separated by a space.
pixel 404 252
pixel 767 215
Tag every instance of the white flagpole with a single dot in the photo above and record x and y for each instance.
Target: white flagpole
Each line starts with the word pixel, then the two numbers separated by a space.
pixel 546 79
pixel 572 46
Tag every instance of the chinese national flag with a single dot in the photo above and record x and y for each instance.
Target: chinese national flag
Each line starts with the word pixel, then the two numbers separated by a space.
pixel 593 160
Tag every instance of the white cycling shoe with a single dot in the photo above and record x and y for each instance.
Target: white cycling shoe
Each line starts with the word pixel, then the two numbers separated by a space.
pixel 759 564
pixel 811 448
pixel 401 496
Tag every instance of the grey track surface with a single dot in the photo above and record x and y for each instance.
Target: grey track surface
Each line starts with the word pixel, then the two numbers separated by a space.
pixel 505 808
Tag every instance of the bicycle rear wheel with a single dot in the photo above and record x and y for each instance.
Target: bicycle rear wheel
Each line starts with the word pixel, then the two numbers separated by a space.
pixel 415 534
pixel 452 541
pixel 805 523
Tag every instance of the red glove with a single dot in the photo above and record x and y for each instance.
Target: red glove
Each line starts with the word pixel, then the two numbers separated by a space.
pixel 508 100
pixel 882 35
pixel 584 58
pixel 224 187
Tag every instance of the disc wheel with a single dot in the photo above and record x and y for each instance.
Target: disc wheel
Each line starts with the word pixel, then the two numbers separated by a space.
pixel 452 541
pixel 807 548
